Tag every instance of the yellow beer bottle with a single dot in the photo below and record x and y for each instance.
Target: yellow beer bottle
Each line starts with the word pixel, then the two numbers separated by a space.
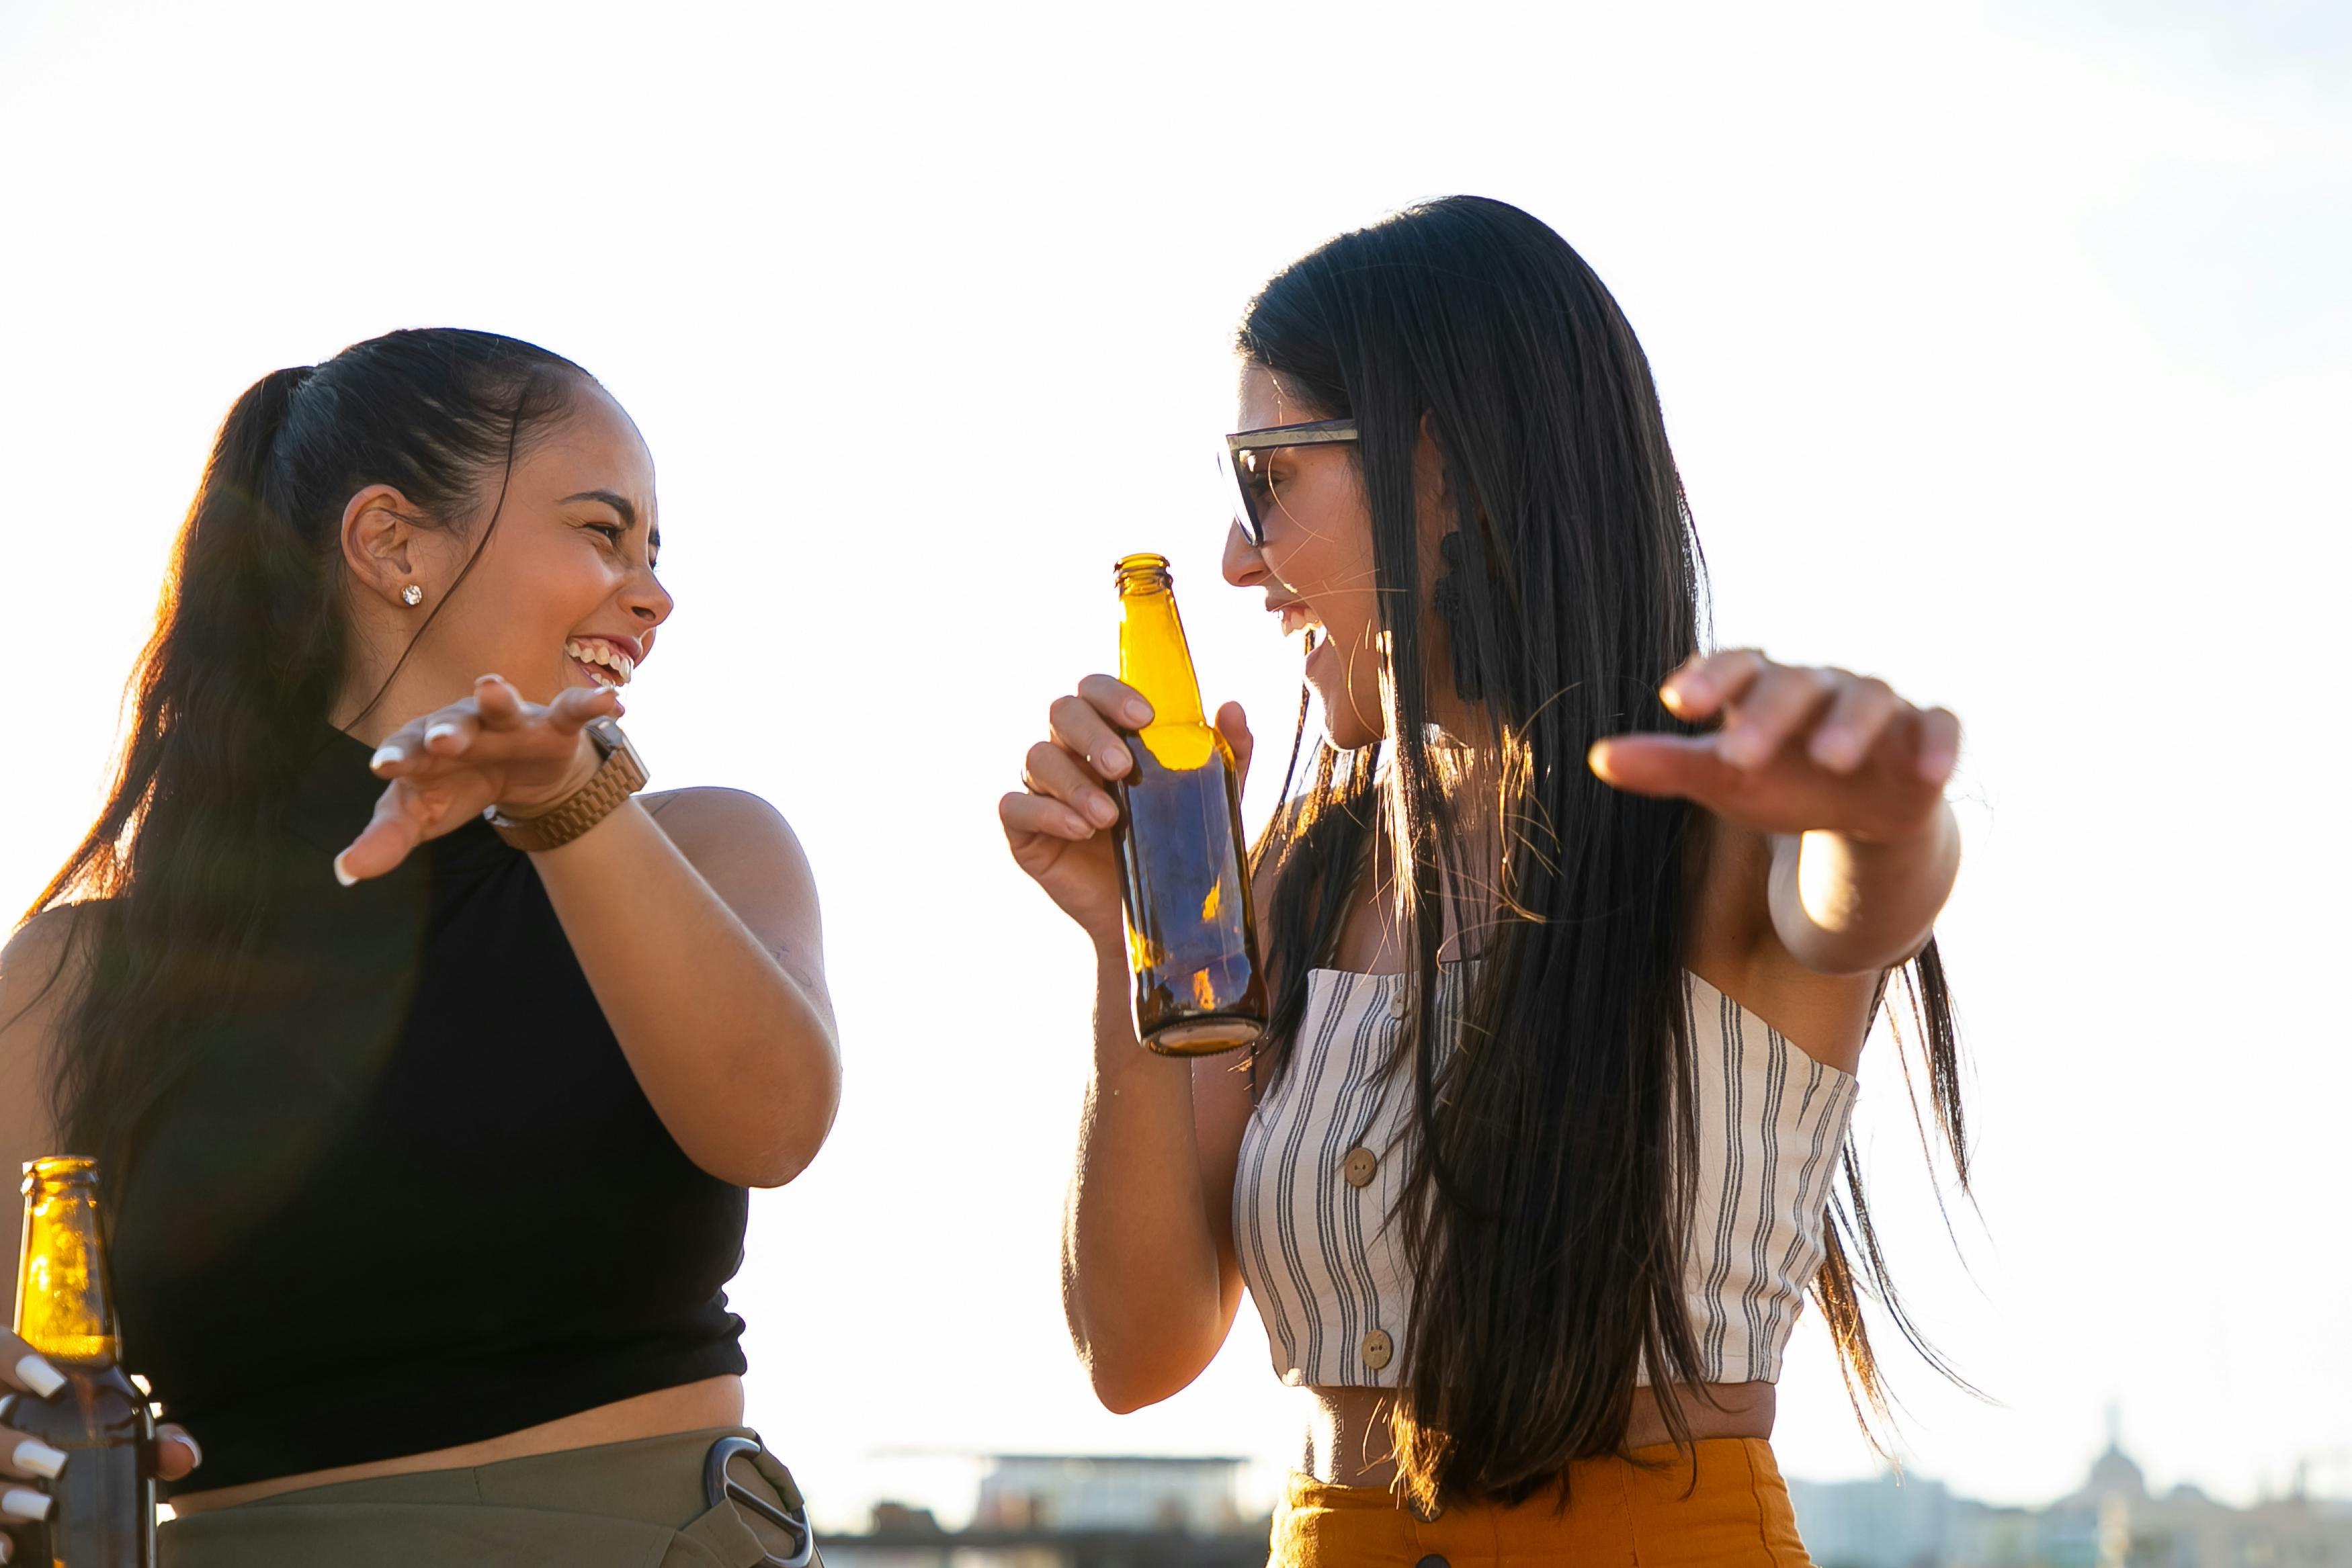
pixel 103 1512
pixel 1191 942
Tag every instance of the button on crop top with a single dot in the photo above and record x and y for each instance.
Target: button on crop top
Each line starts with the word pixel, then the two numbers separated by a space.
pixel 411 1196
pixel 1321 1178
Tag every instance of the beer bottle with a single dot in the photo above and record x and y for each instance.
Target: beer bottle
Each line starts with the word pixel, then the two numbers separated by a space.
pixel 1182 869
pixel 104 1511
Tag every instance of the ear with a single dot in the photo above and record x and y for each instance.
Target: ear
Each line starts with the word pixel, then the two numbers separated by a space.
pixel 1429 464
pixel 379 537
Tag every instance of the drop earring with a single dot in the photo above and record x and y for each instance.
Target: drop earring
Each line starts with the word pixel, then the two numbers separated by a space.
pixel 1447 599
pixel 411 596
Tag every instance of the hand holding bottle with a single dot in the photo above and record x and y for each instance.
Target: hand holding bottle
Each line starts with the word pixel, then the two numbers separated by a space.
pixel 27 1464
pixel 1059 831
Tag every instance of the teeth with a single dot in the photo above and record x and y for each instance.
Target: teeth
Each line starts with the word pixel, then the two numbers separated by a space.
pixel 620 666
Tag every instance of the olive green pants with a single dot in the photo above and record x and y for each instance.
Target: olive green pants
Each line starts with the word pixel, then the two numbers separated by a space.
pixel 639 1504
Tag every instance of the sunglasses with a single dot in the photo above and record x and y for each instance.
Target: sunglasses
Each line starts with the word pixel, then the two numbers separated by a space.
pixel 1244 457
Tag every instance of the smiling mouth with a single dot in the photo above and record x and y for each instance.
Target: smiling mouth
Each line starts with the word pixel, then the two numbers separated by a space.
pixel 605 664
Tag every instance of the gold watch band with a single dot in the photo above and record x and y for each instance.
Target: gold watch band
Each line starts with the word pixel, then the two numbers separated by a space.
pixel 622 776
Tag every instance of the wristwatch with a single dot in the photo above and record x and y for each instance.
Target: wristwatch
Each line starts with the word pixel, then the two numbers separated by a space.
pixel 622 776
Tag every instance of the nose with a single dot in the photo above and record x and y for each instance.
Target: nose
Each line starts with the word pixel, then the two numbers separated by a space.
pixel 647 600
pixel 1243 567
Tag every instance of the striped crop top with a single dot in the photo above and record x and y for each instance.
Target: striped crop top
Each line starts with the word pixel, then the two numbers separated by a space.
pixel 1321 1178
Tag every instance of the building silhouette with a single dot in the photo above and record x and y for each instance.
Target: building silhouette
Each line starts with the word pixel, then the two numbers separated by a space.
pixel 2111 1521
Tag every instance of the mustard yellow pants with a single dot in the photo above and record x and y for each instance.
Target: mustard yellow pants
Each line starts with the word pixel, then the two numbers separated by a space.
pixel 1719 1502
pixel 640 1504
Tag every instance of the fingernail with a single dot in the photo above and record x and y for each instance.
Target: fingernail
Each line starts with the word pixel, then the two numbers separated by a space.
pixel 1114 761
pixel 1102 811
pixel 384 755
pixel 1833 749
pixel 23 1502
pixel 435 732
pixel 346 878
pixel 1139 712
pixel 34 1373
pixel 38 1456
pixel 195 1454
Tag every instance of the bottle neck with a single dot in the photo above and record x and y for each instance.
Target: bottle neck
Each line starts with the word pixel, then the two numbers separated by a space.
pixel 64 1307
pixel 1152 655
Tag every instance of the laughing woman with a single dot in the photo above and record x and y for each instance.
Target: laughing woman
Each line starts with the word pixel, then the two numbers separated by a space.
pixel 1573 934
pixel 426 1062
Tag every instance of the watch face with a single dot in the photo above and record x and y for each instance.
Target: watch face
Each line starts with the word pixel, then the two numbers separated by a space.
pixel 608 739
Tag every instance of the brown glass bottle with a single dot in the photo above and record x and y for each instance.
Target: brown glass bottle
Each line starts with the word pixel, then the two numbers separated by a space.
pixel 104 1511
pixel 1192 940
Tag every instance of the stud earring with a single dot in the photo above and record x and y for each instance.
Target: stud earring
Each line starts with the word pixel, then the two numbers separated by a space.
pixel 411 596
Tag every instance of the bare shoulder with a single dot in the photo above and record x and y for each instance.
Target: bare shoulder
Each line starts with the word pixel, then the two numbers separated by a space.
pixel 749 854
pixel 39 964
pixel 40 980
pixel 722 823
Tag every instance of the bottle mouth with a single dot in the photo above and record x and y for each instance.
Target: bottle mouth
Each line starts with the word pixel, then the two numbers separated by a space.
pixel 1143 569
pixel 57 1169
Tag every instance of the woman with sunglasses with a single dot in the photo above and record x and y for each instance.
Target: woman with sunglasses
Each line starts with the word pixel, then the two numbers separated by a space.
pixel 1574 933
pixel 426 1060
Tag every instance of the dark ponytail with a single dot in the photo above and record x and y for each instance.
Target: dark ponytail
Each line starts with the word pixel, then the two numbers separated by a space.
pixel 248 655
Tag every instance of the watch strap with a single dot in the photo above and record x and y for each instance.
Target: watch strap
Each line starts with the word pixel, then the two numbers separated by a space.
pixel 621 776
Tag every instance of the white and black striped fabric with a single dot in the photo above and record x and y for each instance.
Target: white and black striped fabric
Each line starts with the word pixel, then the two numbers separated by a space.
pixel 1321 1180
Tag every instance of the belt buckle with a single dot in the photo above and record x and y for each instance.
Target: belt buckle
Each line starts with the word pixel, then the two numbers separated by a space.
pixel 719 1487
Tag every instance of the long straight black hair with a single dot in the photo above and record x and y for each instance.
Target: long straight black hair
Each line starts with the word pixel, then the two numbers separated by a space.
pixel 228 697
pixel 1548 1204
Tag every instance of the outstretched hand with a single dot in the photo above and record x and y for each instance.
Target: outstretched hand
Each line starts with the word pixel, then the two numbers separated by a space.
pixel 491 749
pixel 1794 749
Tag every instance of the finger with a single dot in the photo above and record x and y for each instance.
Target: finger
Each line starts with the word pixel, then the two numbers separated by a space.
pixel 1117 701
pixel 176 1453
pixel 22 1366
pixel 29 1458
pixel 1850 728
pixel 1780 703
pixel 402 751
pixel 384 843
pixel 575 705
pixel 499 704
pixel 449 733
pixel 1939 745
pixel 1079 728
pixel 1701 688
pixel 1052 771
pixel 1025 816
pixel 1234 724
pixel 1685 766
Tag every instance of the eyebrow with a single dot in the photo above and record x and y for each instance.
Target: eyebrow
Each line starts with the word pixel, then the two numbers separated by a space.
pixel 613 499
pixel 621 504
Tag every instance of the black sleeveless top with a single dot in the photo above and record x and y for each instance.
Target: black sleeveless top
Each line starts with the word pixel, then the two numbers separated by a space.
pixel 411 1195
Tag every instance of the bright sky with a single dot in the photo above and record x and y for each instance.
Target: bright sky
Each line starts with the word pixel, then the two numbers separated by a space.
pixel 2004 349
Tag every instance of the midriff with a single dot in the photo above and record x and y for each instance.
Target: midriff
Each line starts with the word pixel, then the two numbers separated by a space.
pixel 1347 1441
pixel 712 1402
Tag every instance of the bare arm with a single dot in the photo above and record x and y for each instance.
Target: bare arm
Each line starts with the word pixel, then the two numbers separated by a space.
pixel 1833 851
pixel 696 922
pixel 1150 1280
pixel 699 936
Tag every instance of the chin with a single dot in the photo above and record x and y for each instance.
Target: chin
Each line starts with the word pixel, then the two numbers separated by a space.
pixel 1346 728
